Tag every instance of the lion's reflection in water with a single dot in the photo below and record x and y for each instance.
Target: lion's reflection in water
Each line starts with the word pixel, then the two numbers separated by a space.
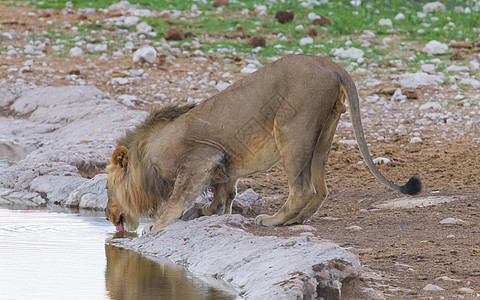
pixel 130 275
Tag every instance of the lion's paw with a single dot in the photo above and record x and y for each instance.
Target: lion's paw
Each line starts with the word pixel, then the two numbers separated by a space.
pixel 265 220
pixel 148 228
pixel 206 210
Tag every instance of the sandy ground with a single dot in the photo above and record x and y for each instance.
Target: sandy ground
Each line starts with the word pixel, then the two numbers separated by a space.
pixel 402 250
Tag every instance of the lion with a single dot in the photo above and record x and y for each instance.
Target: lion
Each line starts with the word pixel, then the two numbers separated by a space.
pixel 288 110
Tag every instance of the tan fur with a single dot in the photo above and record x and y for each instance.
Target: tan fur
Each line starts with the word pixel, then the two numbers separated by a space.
pixel 288 110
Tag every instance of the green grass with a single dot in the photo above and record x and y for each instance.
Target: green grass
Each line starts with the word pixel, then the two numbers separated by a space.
pixel 347 20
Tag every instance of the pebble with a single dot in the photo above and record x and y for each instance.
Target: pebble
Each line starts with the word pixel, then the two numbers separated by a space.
pixel 385 22
pixel 474 65
pixel 143 27
pixel 433 288
pixel 428 68
pixel 381 160
pixel 435 48
pixel 75 52
pixel 247 70
pixel 222 85
pixel 433 7
pixel 452 221
pixel 306 41
pixel 415 140
pixel 399 16
pixel 354 228
pixel 471 82
pixel 465 290
pixel 145 54
pixel 131 20
pixel 430 105
pixel 352 53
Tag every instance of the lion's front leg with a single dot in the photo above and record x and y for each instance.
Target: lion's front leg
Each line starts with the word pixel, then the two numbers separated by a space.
pixel 223 197
pixel 193 178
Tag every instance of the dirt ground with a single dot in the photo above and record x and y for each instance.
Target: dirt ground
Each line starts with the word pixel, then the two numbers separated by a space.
pixel 402 250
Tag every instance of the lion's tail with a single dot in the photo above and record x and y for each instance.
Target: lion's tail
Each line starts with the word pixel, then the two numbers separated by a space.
pixel 414 185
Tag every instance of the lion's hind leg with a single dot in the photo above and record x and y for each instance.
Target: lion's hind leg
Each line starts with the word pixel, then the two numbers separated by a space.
pixel 319 160
pixel 223 198
pixel 296 151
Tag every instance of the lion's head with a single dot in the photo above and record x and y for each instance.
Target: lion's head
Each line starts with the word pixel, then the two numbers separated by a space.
pixel 122 218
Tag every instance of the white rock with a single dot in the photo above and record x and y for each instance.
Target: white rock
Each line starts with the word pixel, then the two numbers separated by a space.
pixel 399 17
pixel 119 80
pixel 409 202
pixel 122 5
pixel 90 195
pixel 455 68
pixel 434 7
pixel 459 97
pixel 312 16
pixel 471 82
pixel 452 221
pixel 355 2
pixel 128 46
pixel 306 41
pixel 253 264
pixel 222 85
pixel 465 290
pixel 415 140
pixel 385 22
pixel 348 142
pixel 302 227
pixel 435 48
pixel 474 65
pixel 381 160
pixel 354 228
pixel 145 54
pixel 75 52
pixel 351 53
pixel 131 20
pixel 433 288
pixel 428 68
pixel 143 27
pixel 430 105
pixel 90 11
pixel 92 48
pixel 248 70
pixel 141 12
pixel 56 188
pixel 299 27
pixel 451 236
pixel 398 96
pixel 127 99
pixel 75 135
pixel 415 80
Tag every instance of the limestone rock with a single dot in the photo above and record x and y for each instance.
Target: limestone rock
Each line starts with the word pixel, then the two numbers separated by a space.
pixel 257 267
pixel 434 7
pixel 145 54
pixel 90 195
pixel 415 80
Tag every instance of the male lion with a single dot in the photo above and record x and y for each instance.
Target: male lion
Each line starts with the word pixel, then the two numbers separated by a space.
pixel 287 110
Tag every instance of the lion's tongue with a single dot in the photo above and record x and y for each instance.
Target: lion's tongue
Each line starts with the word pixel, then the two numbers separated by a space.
pixel 119 227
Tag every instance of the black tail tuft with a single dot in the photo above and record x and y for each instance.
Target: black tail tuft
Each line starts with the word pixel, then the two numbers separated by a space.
pixel 412 187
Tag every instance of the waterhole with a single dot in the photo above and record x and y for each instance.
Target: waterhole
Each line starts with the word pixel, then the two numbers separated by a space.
pixel 51 255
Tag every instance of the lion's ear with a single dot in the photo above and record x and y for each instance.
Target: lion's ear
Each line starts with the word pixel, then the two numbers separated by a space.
pixel 120 156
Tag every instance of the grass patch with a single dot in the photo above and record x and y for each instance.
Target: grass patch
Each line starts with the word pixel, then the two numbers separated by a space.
pixel 284 38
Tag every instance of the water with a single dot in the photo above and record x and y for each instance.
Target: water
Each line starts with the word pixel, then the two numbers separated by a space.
pixel 50 255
